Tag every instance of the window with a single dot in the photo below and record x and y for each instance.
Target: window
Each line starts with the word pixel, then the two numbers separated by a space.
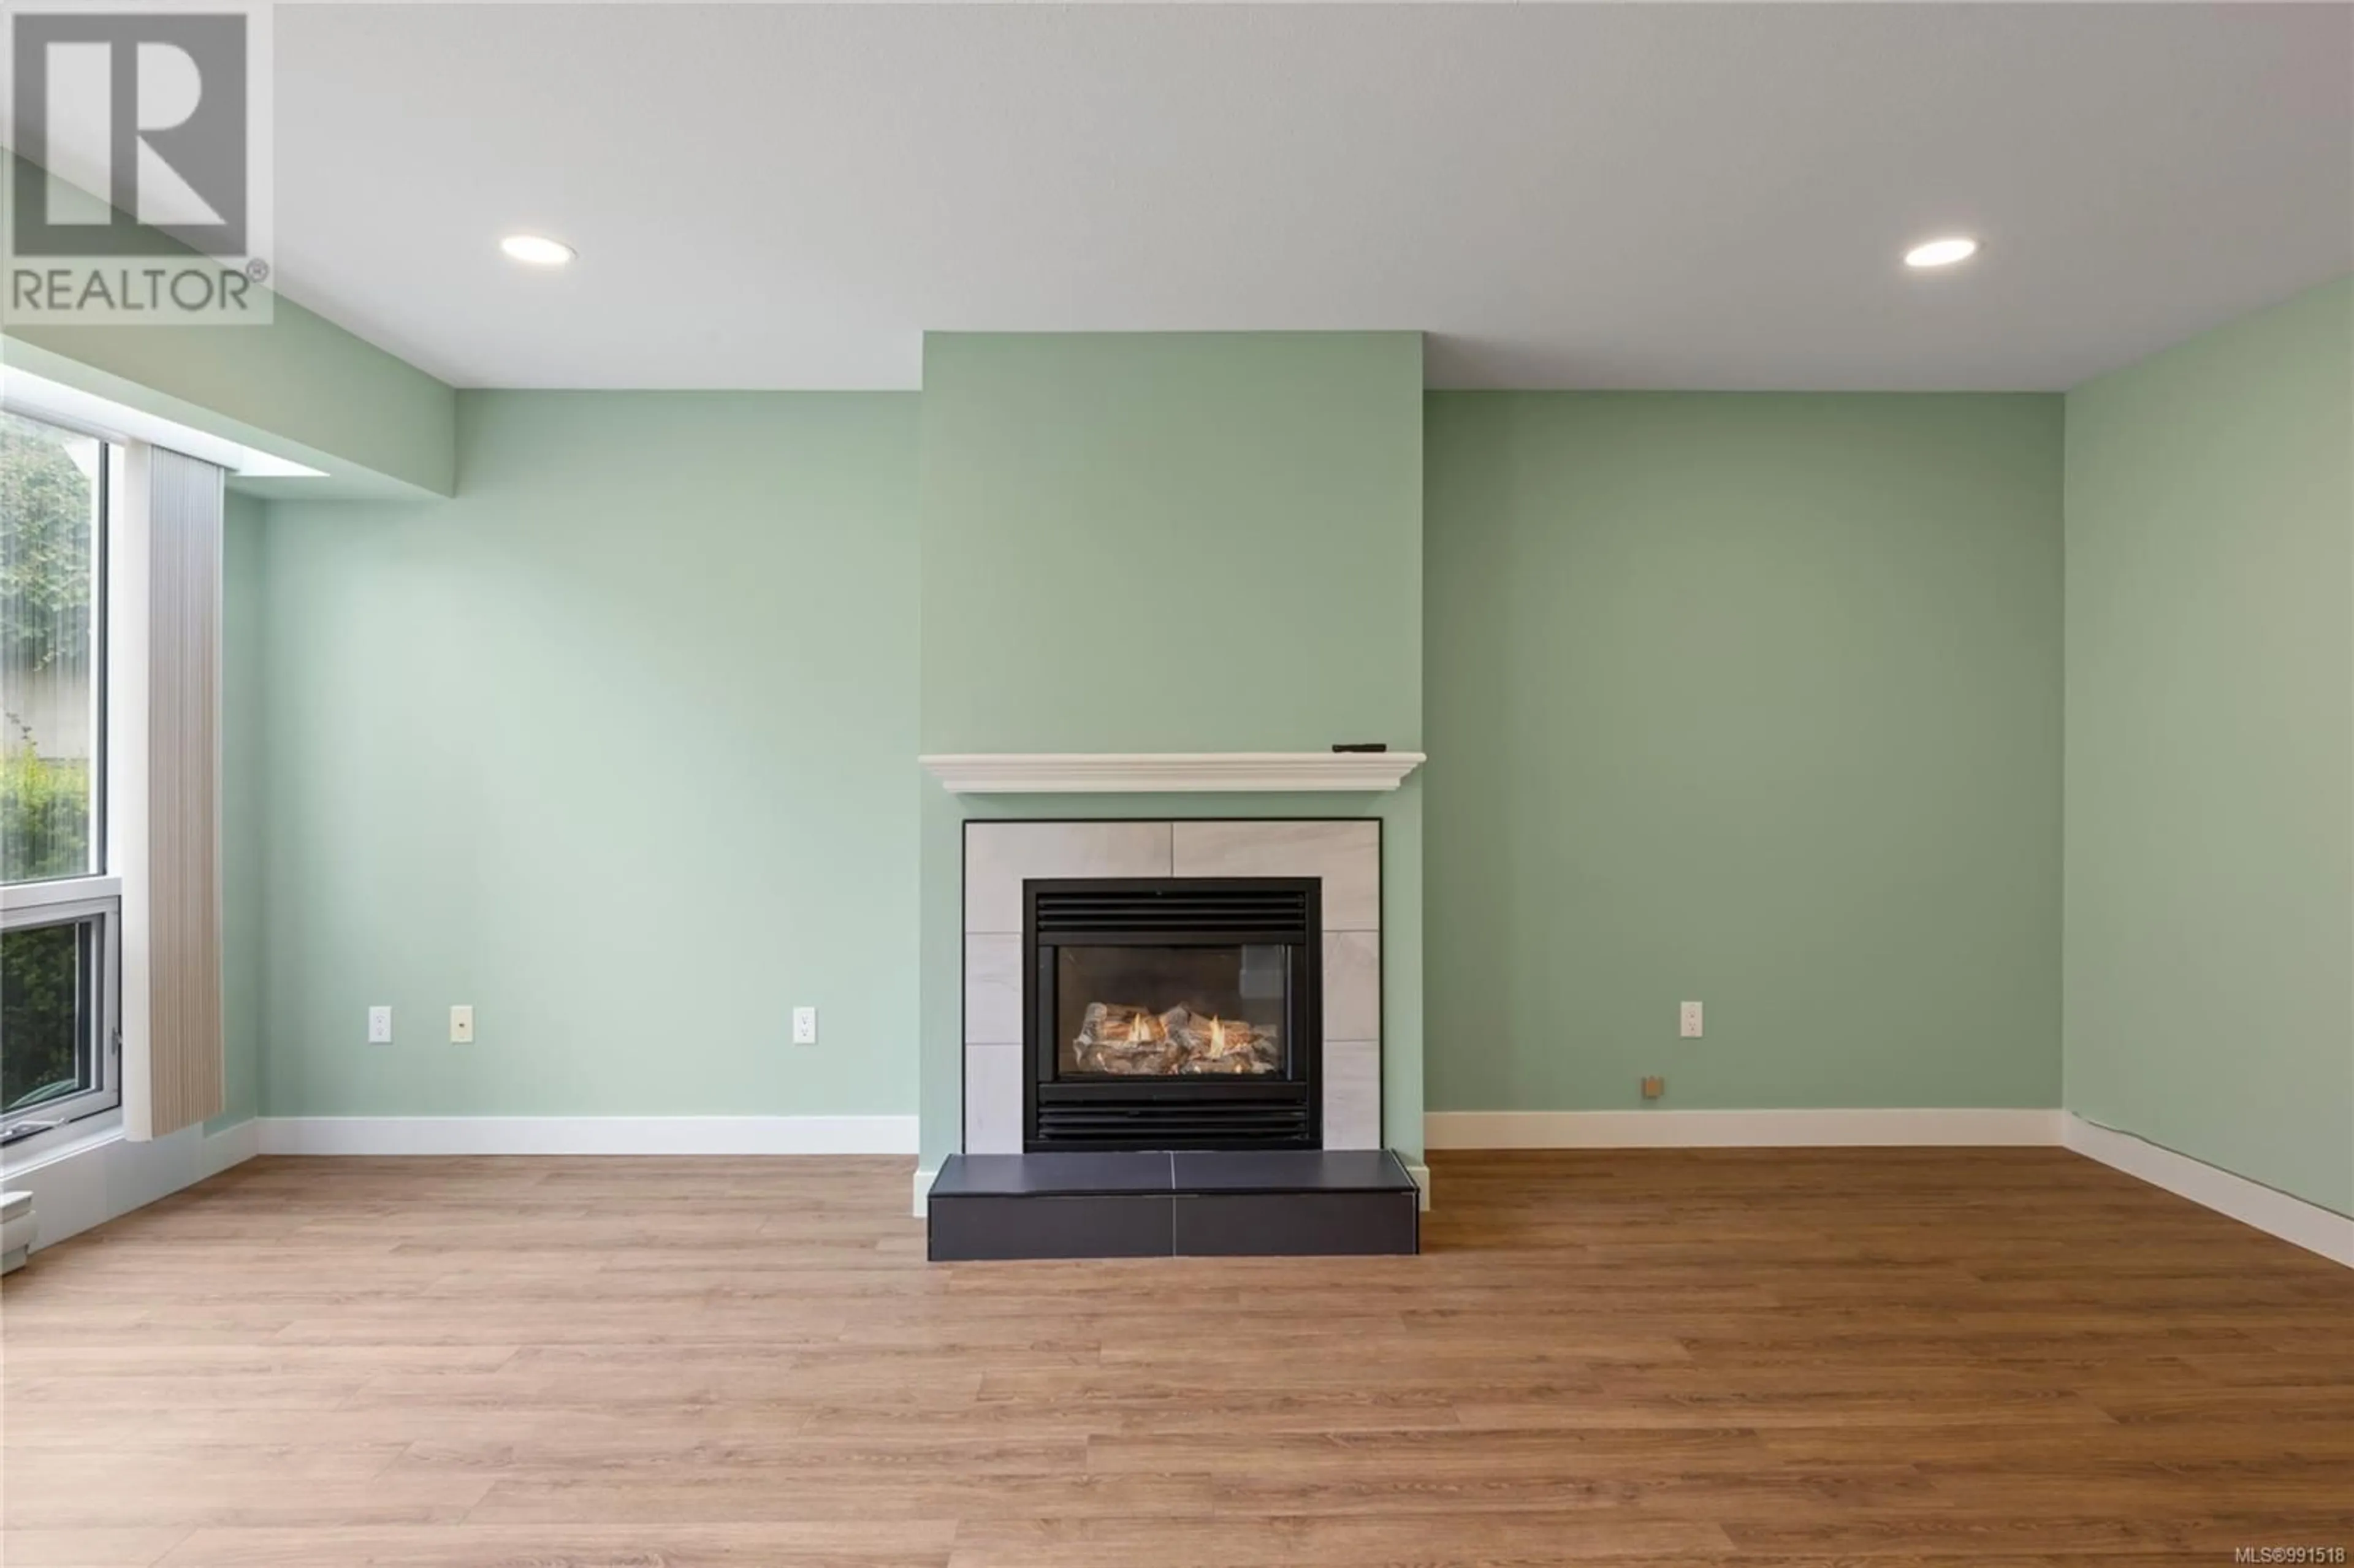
pixel 59 913
pixel 56 1012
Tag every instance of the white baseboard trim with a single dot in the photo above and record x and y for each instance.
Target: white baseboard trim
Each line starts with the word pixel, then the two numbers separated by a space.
pixel 2293 1220
pixel 588 1134
pixel 2268 1209
pixel 1421 1174
pixel 1738 1128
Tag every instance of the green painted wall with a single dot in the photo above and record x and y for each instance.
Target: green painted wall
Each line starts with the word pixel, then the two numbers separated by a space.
pixel 244 816
pixel 1086 499
pixel 300 386
pixel 616 746
pixel 2210 995
pixel 1261 491
pixel 1752 699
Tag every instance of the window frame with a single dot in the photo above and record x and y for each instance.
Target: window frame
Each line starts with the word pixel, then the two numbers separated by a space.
pixel 32 905
pixel 96 893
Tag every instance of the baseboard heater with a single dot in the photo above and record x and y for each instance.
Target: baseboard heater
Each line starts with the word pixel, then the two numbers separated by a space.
pixel 18 1232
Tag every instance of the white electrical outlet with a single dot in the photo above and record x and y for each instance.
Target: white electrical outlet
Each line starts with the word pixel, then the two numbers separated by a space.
pixel 805 1026
pixel 461 1026
pixel 1689 1021
pixel 379 1026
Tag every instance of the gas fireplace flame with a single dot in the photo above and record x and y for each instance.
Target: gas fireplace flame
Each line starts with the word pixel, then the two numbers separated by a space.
pixel 1126 1038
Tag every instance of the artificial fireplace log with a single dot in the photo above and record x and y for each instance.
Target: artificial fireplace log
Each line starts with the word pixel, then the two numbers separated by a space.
pixel 1119 1038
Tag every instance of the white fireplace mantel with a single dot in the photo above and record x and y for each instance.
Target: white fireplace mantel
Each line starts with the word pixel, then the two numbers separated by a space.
pixel 1169 772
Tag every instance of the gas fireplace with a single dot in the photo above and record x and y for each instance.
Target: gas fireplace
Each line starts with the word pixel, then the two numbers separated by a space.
pixel 1172 1013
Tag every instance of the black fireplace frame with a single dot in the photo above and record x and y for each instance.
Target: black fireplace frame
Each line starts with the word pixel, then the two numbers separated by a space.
pixel 1210 1112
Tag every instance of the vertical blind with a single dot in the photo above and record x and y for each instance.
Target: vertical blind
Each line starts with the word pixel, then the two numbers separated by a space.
pixel 170 563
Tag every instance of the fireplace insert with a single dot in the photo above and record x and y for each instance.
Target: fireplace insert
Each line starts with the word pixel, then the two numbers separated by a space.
pixel 1172 1012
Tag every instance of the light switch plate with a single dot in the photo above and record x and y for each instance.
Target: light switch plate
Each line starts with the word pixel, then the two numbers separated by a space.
pixel 461 1026
pixel 379 1026
pixel 805 1026
pixel 1687 1022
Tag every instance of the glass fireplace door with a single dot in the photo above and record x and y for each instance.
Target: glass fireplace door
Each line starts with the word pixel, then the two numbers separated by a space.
pixel 1171 1011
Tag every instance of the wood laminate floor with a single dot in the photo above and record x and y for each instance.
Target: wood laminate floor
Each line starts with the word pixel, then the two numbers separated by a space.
pixel 2006 1356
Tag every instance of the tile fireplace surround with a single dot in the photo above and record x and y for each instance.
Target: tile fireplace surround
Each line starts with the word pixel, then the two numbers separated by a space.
pixel 1343 854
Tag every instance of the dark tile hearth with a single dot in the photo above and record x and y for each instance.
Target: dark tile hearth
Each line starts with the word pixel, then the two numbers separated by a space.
pixel 1285 1171
pixel 1190 1204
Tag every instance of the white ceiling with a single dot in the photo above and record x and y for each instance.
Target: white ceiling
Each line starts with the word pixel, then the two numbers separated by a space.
pixel 1570 196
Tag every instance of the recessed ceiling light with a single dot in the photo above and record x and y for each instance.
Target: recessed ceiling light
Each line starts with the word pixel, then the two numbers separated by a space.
pixel 1942 252
pixel 535 250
